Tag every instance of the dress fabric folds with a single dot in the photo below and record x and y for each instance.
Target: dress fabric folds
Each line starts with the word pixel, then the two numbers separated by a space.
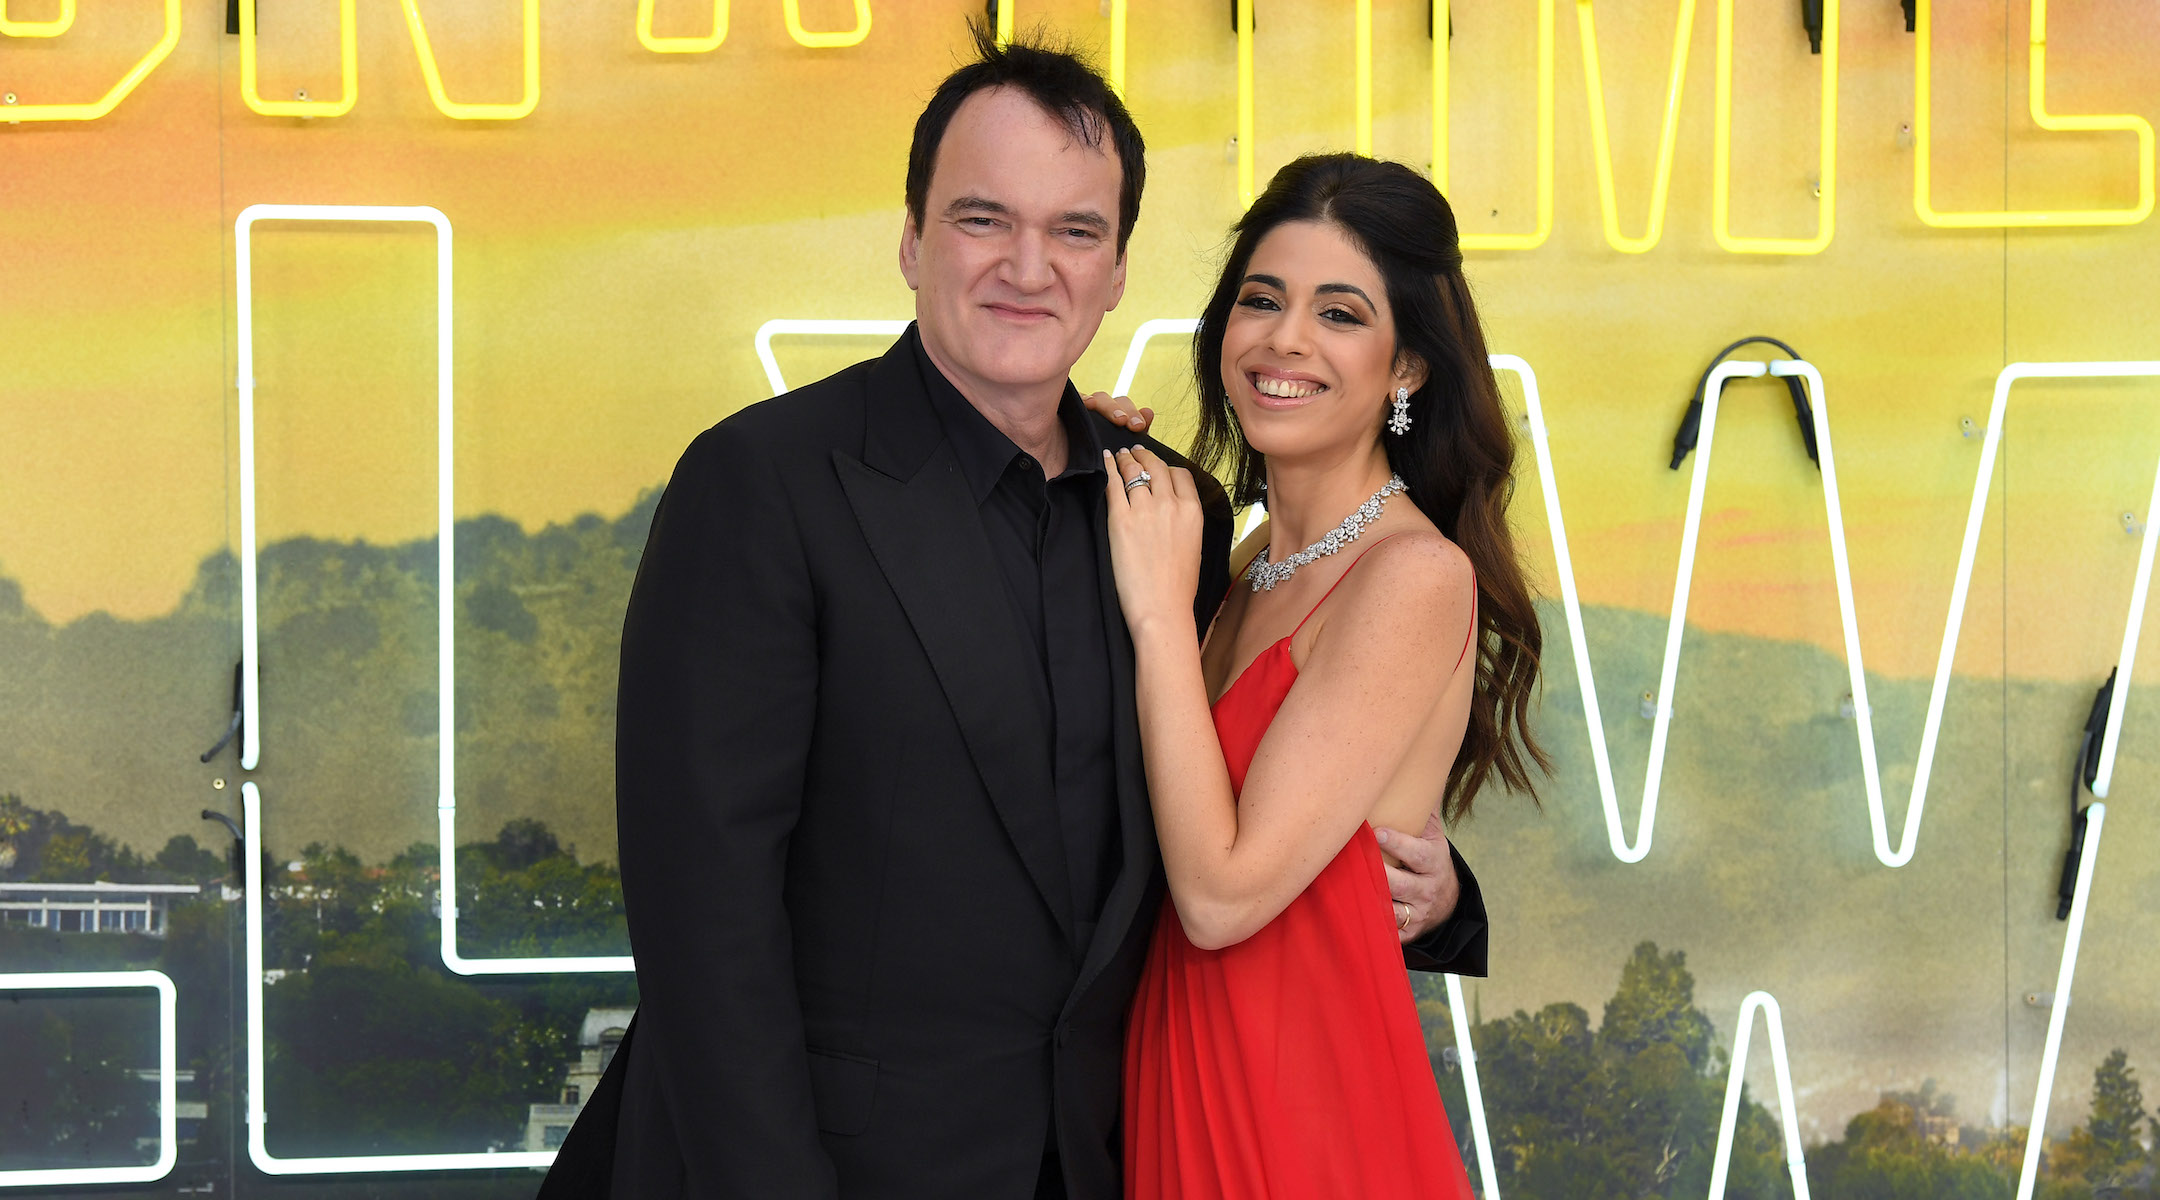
pixel 1291 1066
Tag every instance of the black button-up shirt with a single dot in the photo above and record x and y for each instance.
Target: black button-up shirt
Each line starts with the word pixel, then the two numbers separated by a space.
pixel 1043 534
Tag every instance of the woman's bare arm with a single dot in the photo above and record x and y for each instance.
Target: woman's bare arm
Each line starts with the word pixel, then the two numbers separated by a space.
pixel 1375 674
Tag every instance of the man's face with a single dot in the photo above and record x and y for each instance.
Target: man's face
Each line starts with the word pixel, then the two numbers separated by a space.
pixel 1017 259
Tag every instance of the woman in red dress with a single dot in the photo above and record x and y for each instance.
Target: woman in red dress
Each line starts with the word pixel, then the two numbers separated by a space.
pixel 1381 656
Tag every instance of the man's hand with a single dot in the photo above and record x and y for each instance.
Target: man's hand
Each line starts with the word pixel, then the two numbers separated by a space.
pixel 1424 887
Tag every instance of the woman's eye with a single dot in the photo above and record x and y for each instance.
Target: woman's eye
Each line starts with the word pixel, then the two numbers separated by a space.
pixel 1264 303
pixel 1342 316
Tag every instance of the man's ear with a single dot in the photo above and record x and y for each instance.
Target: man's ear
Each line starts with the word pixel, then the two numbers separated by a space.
pixel 1117 281
pixel 910 250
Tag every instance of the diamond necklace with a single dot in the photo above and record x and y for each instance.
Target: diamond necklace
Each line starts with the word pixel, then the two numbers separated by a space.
pixel 1264 575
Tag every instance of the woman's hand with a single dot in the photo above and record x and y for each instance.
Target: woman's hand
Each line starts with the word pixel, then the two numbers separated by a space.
pixel 1155 531
pixel 1119 409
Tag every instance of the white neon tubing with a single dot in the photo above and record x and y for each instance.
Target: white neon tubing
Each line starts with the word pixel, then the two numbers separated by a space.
pixel 782 325
pixel 258 1115
pixel 1148 331
pixel 1479 1132
pixel 445 560
pixel 1795 1158
pixel 1908 840
pixel 168 1076
pixel 2036 1131
pixel 1788 1112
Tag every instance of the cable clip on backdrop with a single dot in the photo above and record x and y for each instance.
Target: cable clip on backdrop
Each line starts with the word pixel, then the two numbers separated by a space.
pixel 1690 430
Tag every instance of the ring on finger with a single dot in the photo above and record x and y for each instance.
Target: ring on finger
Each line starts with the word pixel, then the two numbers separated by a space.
pixel 1140 480
pixel 1403 920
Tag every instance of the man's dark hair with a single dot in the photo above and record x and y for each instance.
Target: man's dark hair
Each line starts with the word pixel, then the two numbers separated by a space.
pixel 1055 77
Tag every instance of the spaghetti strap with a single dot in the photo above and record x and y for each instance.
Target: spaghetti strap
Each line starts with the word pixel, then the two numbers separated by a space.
pixel 1469 635
pixel 1338 582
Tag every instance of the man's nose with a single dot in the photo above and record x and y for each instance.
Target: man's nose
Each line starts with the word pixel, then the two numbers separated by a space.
pixel 1027 265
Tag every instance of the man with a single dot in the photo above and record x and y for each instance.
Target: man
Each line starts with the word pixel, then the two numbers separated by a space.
pixel 884 829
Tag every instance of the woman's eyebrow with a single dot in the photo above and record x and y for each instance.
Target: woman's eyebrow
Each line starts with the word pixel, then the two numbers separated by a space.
pixel 1345 288
pixel 1267 281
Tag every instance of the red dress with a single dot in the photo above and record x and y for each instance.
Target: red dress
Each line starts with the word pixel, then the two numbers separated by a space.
pixel 1290 1066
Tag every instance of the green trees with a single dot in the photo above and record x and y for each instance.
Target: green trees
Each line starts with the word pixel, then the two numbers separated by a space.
pixel 374 1047
pixel 1625 1110
pixel 2115 1154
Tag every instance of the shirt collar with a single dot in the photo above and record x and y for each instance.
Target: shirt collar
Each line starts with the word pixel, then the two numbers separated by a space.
pixel 985 453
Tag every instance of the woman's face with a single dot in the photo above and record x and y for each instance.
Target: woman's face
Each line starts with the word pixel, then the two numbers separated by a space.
pixel 1308 354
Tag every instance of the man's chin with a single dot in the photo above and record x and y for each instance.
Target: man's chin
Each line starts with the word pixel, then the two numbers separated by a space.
pixel 1031 368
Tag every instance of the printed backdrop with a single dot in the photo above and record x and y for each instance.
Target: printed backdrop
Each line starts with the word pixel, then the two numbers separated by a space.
pixel 616 245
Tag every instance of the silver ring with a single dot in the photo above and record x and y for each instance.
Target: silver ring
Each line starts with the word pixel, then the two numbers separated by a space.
pixel 1142 478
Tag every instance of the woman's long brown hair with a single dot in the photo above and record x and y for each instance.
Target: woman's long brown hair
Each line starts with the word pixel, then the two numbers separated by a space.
pixel 1458 458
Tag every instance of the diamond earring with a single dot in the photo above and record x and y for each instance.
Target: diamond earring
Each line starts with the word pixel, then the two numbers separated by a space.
pixel 1399 424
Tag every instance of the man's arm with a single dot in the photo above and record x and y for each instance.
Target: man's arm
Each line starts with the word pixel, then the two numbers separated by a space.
pixel 717 702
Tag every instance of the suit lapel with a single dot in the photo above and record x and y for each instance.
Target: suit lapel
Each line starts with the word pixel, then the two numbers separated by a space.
pixel 923 528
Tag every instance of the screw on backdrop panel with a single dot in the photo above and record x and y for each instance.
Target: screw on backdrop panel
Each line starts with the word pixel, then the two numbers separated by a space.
pixel 17 113
pixel 348 69
pixel 1824 34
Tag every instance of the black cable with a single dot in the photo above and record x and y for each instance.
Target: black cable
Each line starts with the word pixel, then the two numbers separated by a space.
pixel 1690 431
pixel 1811 19
pixel 232 727
pixel 2082 774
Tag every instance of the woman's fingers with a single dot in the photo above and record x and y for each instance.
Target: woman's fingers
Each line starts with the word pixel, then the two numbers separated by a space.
pixel 1119 409
pixel 1165 475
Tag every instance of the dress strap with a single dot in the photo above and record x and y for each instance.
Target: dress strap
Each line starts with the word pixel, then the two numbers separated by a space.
pixel 1338 582
pixel 1470 637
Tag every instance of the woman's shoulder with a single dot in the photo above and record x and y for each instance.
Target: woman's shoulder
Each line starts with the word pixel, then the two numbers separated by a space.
pixel 1415 573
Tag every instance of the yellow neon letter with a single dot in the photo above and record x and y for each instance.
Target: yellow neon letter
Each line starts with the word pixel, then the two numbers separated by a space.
pixel 792 9
pixel 1721 175
pixel 478 112
pixel 53 28
pixel 1499 241
pixel 1363 52
pixel 1006 14
pixel 348 70
pixel 1683 27
pixel 681 45
pixel 2036 89
pixel 1245 92
pixel 111 99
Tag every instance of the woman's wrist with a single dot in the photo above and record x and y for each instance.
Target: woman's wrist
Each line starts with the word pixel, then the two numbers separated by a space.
pixel 1164 632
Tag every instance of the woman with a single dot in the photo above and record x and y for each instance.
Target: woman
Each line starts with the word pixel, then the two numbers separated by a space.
pixel 1382 654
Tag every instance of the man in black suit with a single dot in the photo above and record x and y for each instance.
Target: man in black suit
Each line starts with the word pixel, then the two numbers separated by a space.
pixel 884 829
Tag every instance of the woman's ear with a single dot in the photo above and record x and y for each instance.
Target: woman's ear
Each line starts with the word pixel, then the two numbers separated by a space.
pixel 1410 371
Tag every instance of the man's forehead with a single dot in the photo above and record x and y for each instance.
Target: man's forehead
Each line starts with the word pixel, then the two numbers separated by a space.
pixel 1002 126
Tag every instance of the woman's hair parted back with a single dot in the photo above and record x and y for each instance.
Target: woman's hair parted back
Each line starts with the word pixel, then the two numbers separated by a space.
pixel 1458 458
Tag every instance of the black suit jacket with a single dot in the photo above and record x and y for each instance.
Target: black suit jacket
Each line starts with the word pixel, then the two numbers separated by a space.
pixel 858 970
